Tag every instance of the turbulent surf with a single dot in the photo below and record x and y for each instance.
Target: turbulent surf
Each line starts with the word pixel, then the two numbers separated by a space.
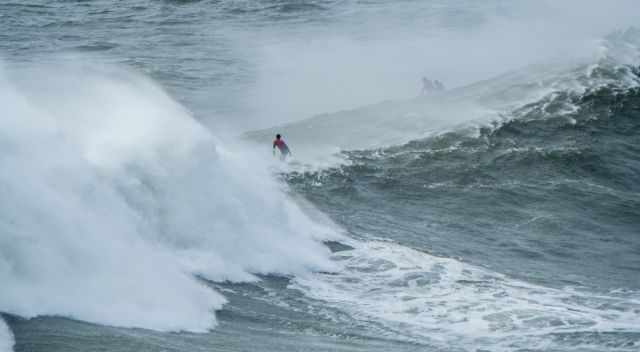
pixel 142 209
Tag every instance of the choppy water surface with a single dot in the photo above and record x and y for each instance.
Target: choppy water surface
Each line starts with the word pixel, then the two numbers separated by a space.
pixel 502 214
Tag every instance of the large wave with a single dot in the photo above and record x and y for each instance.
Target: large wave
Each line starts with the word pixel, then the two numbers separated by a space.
pixel 563 166
pixel 536 190
pixel 114 197
pixel 479 104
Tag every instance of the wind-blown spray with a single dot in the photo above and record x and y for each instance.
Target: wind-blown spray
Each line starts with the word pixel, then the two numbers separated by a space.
pixel 113 197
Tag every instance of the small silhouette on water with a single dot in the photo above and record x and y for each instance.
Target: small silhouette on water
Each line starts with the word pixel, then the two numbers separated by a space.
pixel 431 86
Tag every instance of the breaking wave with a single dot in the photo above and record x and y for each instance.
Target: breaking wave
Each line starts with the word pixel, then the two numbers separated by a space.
pixel 115 200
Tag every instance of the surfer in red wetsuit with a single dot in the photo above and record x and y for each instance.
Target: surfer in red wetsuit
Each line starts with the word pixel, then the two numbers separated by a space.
pixel 282 147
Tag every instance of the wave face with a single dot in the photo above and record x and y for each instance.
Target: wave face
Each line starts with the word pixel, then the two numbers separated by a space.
pixel 545 193
pixel 498 215
pixel 554 184
pixel 482 103
pixel 113 198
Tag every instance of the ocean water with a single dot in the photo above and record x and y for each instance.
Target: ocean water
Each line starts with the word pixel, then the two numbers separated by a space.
pixel 141 207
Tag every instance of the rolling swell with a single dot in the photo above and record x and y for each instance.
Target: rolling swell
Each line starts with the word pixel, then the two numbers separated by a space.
pixel 549 195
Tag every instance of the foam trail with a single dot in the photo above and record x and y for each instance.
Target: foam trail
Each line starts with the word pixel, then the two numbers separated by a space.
pixel 113 197
pixel 421 297
pixel 6 338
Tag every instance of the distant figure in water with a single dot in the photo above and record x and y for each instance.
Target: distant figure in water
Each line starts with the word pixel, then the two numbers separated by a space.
pixel 282 147
pixel 429 86
pixel 438 85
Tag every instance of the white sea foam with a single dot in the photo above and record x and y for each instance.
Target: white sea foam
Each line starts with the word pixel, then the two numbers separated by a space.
pixel 113 197
pixel 444 301
pixel 6 338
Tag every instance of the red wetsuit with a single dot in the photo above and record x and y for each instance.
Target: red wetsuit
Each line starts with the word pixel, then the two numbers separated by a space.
pixel 282 146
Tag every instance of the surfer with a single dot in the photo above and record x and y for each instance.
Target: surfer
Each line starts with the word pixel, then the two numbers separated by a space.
pixel 282 147
pixel 427 85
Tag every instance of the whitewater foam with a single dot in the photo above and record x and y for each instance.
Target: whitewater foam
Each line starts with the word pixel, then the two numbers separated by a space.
pixel 113 198
pixel 421 297
pixel 6 338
